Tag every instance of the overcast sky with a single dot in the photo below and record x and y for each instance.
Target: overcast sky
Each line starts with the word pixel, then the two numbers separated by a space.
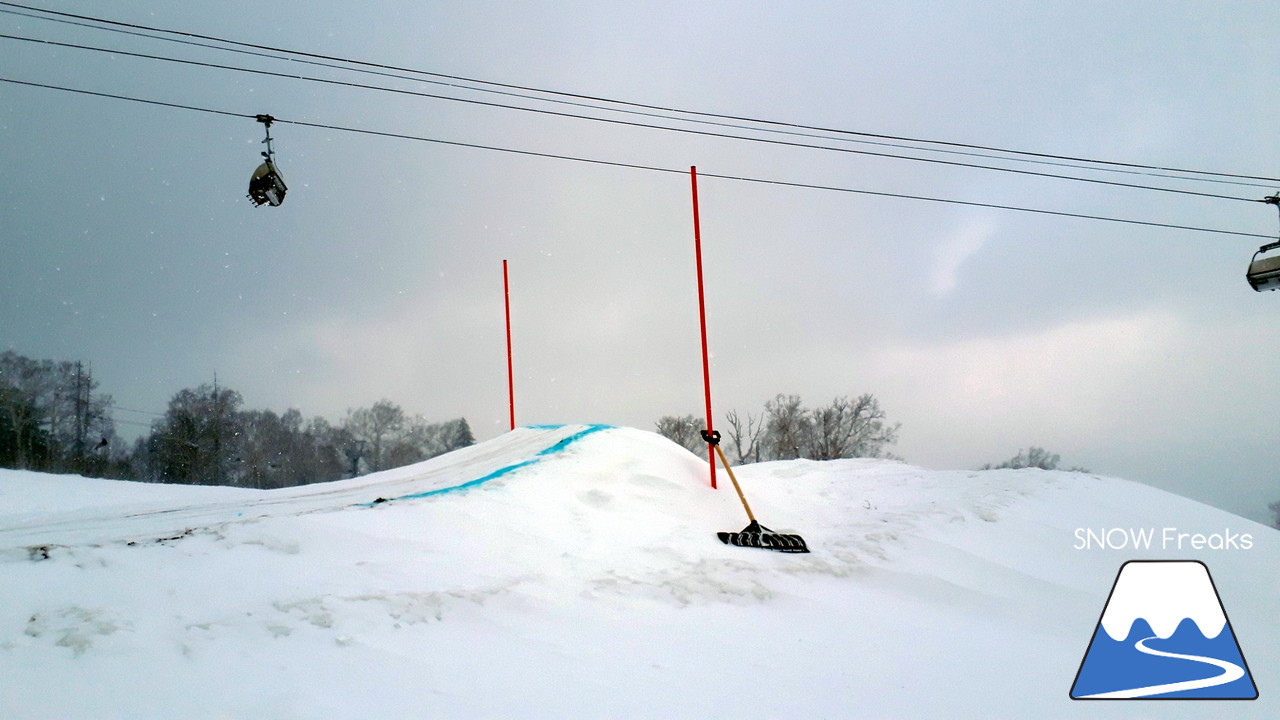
pixel 126 240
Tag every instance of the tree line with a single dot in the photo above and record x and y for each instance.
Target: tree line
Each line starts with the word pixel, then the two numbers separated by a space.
pixel 52 419
pixel 787 430
pixel 1033 457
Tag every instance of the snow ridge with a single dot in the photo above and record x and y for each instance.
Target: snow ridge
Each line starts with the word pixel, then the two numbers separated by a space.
pixel 505 470
pixel 585 580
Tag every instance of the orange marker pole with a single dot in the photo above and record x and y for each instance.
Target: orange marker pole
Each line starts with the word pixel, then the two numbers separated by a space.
pixel 702 320
pixel 511 383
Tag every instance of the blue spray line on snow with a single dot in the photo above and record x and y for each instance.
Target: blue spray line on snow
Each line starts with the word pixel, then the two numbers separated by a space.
pixel 561 445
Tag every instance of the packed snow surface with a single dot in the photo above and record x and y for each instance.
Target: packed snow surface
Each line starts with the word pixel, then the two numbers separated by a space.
pixel 574 572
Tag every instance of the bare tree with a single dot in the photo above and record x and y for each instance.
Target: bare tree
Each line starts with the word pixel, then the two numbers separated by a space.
pixel 50 417
pixel 381 427
pixel 446 437
pixel 684 431
pixel 392 439
pixel 23 389
pixel 419 441
pixel 1033 457
pixel 198 438
pixel 848 429
pixel 277 451
pixel 330 459
pixel 832 435
pixel 787 428
pixel 744 435
pixel 77 418
pixel 261 450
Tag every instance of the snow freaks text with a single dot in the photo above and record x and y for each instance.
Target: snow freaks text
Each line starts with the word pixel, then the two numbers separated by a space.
pixel 1168 538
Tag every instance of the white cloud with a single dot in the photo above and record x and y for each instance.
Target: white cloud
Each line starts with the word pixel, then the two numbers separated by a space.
pixel 406 353
pixel 952 253
pixel 1072 380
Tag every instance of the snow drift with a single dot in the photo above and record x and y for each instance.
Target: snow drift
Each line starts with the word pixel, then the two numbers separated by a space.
pixel 573 571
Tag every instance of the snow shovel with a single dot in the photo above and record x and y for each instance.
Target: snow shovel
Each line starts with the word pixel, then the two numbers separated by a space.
pixel 754 534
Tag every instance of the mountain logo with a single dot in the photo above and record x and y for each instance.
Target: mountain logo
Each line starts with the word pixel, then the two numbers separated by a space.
pixel 1164 634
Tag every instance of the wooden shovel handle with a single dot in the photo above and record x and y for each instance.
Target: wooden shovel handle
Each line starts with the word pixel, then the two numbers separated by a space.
pixel 736 486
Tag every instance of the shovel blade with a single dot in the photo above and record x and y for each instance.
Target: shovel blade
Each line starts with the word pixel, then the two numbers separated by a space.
pixel 757 536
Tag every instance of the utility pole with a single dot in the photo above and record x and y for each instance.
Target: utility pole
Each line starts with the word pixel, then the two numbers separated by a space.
pixel 217 433
pixel 77 447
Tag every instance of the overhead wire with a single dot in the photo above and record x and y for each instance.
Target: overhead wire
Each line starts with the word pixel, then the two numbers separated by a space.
pixel 641 113
pixel 637 166
pixel 113 406
pixel 114 96
pixel 627 123
pixel 613 101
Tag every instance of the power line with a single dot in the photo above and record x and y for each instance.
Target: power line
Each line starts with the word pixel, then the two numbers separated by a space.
pixel 579 96
pixel 627 123
pixel 140 412
pixel 651 168
pixel 994 206
pixel 622 109
pixel 807 186
pixel 113 96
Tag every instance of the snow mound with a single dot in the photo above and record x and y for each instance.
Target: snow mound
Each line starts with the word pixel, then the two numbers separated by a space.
pixel 574 571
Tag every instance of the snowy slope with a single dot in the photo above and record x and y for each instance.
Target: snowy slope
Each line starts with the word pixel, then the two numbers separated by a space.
pixel 574 572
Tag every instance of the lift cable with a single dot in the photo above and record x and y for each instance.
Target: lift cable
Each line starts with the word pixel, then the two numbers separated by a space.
pixel 579 96
pixel 640 113
pixel 114 96
pixel 636 166
pixel 627 123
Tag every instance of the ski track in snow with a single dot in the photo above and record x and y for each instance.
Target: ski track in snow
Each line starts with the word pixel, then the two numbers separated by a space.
pixel 135 524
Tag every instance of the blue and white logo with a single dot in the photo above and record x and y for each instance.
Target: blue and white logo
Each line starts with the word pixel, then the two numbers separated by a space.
pixel 1164 634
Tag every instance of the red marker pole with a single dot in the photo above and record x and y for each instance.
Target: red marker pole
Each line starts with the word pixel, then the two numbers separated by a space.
pixel 702 319
pixel 511 383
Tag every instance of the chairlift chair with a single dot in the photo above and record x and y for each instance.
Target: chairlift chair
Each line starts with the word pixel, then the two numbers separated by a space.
pixel 1264 273
pixel 266 186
